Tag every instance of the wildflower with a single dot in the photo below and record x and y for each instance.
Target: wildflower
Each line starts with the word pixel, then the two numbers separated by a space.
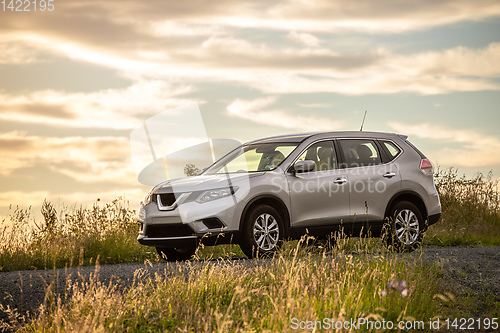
pixel 395 285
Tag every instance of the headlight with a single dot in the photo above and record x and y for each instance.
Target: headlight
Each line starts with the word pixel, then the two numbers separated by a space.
pixel 142 215
pixel 147 199
pixel 216 194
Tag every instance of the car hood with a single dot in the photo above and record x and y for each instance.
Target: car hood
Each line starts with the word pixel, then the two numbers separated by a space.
pixel 203 182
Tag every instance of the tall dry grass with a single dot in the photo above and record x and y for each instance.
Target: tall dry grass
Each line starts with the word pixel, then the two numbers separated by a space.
pixel 341 280
pixel 470 210
pixel 72 236
pixel 250 296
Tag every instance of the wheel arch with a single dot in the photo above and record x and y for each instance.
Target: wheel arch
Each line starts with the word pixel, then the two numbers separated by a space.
pixel 272 201
pixel 410 196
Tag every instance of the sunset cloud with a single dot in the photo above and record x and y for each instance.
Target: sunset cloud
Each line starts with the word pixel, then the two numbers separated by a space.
pixel 85 159
pixel 325 15
pixel 261 111
pixel 193 51
pixel 271 70
pixel 476 149
pixel 112 108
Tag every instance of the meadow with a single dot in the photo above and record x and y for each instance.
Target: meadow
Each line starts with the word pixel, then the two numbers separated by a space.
pixel 470 210
pixel 70 235
pixel 306 283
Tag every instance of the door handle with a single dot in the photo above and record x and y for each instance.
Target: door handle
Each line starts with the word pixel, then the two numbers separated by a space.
pixel 339 181
pixel 389 174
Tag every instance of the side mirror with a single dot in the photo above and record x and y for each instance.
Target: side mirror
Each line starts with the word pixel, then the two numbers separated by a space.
pixel 304 166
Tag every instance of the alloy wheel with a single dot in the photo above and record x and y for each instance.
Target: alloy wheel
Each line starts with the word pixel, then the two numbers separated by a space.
pixel 266 232
pixel 407 226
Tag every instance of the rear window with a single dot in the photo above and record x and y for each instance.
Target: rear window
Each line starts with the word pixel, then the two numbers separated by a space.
pixel 391 149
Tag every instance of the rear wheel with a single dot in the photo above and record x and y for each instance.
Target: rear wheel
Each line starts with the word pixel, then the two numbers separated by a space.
pixel 176 254
pixel 404 228
pixel 262 232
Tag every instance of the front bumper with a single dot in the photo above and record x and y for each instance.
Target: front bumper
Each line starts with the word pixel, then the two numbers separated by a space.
pixel 168 242
pixel 189 224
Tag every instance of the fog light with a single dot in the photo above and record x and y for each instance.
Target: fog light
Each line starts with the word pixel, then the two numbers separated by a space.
pixel 213 223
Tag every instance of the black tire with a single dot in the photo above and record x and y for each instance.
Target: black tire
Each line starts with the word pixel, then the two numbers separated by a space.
pixel 262 232
pixel 404 227
pixel 176 254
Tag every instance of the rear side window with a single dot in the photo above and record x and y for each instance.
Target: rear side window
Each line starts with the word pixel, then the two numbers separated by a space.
pixel 360 152
pixel 391 149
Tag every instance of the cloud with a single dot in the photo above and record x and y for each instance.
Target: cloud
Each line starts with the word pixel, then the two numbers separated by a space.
pixel 111 108
pixel 456 69
pixel 116 21
pixel 231 53
pixel 26 198
pixel 21 50
pixel 323 15
pixel 258 111
pixel 304 38
pixel 373 82
pixel 297 70
pixel 458 61
pixel 475 149
pixel 202 47
pixel 85 159
pixel 373 16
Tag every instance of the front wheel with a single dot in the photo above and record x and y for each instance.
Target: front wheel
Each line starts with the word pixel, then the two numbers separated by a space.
pixel 404 228
pixel 176 254
pixel 262 232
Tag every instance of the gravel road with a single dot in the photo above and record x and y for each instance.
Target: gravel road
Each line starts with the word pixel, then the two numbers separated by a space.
pixel 474 269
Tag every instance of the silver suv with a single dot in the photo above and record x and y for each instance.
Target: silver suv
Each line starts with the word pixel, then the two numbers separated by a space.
pixel 282 187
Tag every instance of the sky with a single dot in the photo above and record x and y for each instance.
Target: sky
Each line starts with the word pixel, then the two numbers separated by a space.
pixel 75 81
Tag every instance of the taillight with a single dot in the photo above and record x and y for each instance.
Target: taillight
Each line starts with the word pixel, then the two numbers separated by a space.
pixel 426 166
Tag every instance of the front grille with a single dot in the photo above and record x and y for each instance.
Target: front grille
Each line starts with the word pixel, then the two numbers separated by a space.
pixel 168 230
pixel 167 199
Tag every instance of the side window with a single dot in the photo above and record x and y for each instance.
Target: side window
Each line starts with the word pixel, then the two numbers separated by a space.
pixel 360 152
pixel 392 149
pixel 323 154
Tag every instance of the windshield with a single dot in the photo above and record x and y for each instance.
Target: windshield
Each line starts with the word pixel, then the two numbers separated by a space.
pixel 252 158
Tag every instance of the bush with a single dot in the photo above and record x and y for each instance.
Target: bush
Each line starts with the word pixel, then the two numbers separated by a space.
pixel 72 236
pixel 470 210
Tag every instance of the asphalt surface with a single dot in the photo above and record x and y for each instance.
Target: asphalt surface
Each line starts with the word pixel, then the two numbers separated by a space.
pixel 474 269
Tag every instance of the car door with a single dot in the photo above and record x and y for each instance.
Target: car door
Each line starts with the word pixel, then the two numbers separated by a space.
pixel 319 197
pixel 372 183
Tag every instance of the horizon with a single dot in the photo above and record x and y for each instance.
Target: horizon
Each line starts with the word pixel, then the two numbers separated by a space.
pixel 75 81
